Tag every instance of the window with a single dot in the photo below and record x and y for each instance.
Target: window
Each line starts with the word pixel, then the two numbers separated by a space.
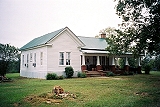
pixel 27 58
pixel 34 64
pixel 64 58
pixel 68 58
pixel 30 57
pixel 22 59
pixel 35 57
pixel 41 58
pixel 61 58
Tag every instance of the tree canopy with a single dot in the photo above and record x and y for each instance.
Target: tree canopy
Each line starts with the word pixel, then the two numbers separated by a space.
pixel 7 53
pixel 140 28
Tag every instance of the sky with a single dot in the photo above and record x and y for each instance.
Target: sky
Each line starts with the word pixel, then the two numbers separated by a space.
pixel 23 20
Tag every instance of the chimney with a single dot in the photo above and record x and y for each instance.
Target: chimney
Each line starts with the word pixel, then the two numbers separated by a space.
pixel 103 35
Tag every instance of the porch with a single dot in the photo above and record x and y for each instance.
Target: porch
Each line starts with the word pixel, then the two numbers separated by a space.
pixel 99 65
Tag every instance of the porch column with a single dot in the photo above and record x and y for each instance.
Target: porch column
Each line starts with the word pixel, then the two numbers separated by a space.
pixel 113 61
pixel 98 62
pixel 83 60
pixel 139 61
pixel 113 69
pixel 83 66
pixel 139 66
pixel 126 61
pixel 126 65
pixel 98 66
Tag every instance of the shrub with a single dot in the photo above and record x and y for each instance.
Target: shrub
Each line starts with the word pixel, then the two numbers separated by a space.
pixel 131 73
pixel 61 77
pixel 51 76
pixel 147 68
pixel 69 72
pixel 110 74
pixel 127 73
pixel 81 75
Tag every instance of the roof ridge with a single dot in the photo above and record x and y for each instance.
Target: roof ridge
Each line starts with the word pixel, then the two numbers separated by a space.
pixel 50 32
pixel 90 37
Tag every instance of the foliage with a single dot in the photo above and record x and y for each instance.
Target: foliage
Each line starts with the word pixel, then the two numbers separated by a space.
pixel 147 68
pixel 53 76
pixel 14 66
pixel 128 73
pixel 69 72
pixel 108 74
pixel 8 53
pixel 157 62
pixel 81 75
pixel 121 62
pixel 147 62
pixel 61 77
pixel 120 42
pixel 132 62
pixel 140 25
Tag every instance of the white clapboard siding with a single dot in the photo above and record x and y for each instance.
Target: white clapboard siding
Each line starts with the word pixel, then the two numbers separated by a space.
pixel 66 41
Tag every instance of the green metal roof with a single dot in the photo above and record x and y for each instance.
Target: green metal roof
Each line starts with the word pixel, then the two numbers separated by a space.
pixel 41 40
pixel 89 42
pixel 93 43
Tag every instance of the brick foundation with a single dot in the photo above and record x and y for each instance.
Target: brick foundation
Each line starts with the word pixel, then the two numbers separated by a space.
pixel 126 68
pixel 99 67
pixel 83 67
pixel 113 69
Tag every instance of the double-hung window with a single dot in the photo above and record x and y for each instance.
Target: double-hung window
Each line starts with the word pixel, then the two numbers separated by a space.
pixel 68 60
pixel 41 58
pixel 64 58
pixel 34 57
pixel 22 59
pixel 27 58
pixel 30 57
pixel 61 58
pixel 34 64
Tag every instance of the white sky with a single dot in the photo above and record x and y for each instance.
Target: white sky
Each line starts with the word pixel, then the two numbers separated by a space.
pixel 23 20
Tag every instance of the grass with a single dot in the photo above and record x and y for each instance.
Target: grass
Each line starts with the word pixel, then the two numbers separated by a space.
pixel 123 91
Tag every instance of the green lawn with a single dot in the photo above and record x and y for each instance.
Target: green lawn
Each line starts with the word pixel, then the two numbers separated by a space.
pixel 123 91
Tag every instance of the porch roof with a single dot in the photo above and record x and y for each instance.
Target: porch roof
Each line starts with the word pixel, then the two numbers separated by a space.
pixel 95 51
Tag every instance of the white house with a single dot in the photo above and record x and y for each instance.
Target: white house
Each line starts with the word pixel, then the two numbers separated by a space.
pixel 52 52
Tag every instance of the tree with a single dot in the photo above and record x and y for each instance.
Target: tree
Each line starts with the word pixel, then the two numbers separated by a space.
pixel 8 53
pixel 120 42
pixel 147 64
pixel 157 62
pixel 141 26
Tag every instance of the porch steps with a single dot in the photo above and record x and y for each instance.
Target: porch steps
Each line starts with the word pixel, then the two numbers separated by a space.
pixel 93 74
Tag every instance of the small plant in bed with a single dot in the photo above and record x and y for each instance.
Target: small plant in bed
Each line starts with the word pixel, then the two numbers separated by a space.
pixel 53 76
pixel 81 75
pixel 110 74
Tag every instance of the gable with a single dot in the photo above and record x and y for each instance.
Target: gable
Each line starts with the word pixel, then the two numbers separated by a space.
pixel 70 34
pixel 42 40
